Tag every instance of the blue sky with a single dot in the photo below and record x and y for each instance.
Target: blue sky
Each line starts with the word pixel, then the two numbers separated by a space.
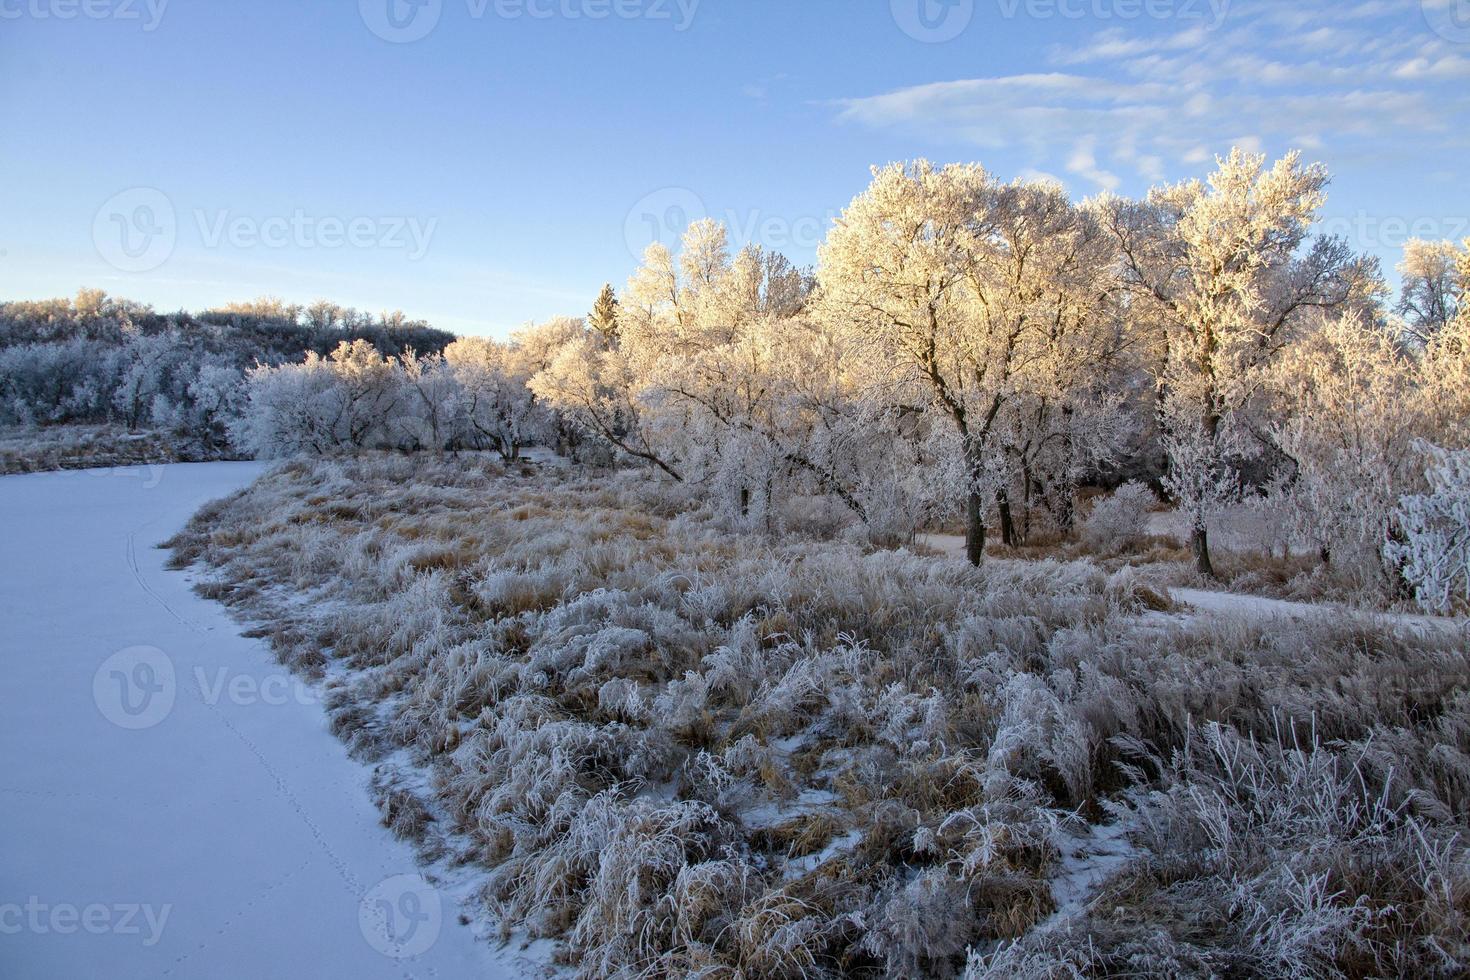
pixel 503 165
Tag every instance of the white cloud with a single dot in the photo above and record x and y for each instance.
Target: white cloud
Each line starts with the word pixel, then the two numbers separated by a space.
pixel 1450 66
pixel 1083 163
pixel 1314 74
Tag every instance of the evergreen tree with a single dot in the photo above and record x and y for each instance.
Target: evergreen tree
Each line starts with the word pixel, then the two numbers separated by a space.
pixel 604 315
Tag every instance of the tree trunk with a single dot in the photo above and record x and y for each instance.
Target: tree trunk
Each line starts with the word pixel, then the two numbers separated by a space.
pixel 1067 511
pixel 1007 523
pixel 975 529
pixel 1028 488
pixel 1199 538
pixel 1199 543
pixel 745 501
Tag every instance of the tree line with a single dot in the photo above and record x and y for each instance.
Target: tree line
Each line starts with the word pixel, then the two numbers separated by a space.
pixel 103 359
pixel 979 347
pixel 967 348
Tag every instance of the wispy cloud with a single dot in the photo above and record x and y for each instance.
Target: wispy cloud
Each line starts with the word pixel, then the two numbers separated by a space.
pixel 1311 73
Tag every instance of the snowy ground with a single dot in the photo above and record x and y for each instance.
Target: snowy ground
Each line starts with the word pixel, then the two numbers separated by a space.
pixel 1258 607
pixel 1229 603
pixel 592 693
pixel 171 803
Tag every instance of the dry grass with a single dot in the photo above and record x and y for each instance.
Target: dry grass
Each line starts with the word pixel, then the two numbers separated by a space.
pixel 687 750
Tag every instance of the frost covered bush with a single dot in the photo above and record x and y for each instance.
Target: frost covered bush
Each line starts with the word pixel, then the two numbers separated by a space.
pixel 1119 521
pixel 1435 548
pixel 683 750
pixel 1274 858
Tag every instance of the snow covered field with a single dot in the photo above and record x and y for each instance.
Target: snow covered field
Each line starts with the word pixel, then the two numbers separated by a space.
pixel 593 702
pixel 171 803
pixel 671 744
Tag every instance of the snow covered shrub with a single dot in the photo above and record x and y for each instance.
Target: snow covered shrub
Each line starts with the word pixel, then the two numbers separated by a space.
pixel 1039 736
pixel 635 853
pixel 897 501
pixel 1300 863
pixel 345 401
pixel 680 749
pixel 1120 521
pixel 925 924
pixel 1434 552
pixel 402 810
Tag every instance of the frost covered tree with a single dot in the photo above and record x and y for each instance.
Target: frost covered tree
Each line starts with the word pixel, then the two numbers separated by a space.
pixel 289 409
pixel 143 362
pixel 535 346
pixel 347 400
pixel 265 308
pixel 1445 373
pixel 433 399
pixel 498 407
pixel 103 359
pixel 718 379
pixel 1223 271
pixel 714 341
pixel 1434 551
pixel 371 393
pixel 1348 415
pixel 325 315
pixel 72 380
pixel 597 390
pixel 1433 286
pixel 976 297
pixel 217 398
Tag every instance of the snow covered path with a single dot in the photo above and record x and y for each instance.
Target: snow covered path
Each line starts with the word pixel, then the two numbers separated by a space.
pixel 171 803
pixel 1235 604
pixel 1260 607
